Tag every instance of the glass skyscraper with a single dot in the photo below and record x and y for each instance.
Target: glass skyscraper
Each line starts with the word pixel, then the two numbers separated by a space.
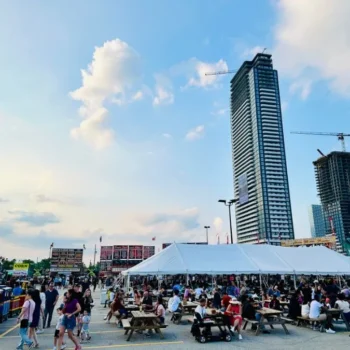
pixel 317 222
pixel 263 210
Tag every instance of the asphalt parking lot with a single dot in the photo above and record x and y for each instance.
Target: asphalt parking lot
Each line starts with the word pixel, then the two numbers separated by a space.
pixel 109 336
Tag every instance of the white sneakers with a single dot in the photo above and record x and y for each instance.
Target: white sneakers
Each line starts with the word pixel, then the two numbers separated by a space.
pixel 240 337
pixel 330 331
pixel 39 331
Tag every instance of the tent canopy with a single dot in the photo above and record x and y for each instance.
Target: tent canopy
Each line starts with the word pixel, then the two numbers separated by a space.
pixel 242 259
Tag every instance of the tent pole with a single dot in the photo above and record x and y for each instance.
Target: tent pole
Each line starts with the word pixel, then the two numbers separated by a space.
pixel 260 279
pixel 295 282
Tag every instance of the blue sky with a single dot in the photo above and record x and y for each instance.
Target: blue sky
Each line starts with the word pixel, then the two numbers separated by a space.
pixel 109 125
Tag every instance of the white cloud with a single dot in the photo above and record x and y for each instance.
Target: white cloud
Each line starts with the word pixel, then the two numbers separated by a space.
pixel 284 105
pixel 163 91
pixel 221 111
pixel 251 52
pixel 138 96
pixel 198 77
pixel 217 223
pixel 303 87
pixel 196 133
pixel 167 136
pixel 110 77
pixel 312 42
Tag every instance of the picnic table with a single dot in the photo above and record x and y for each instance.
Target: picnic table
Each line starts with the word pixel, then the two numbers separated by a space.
pixel 129 300
pixel 130 308
pixel 141 321
pixel 189 306
pixel 269 317
pixel 336 313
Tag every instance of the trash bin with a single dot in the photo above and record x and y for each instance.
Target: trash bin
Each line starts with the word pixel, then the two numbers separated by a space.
pixel 103 296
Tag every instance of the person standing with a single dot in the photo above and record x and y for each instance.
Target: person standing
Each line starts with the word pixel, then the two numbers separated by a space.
pixel 71 310
pixel 24 319
pixel 51 299
pixel 36 317
pixel 43 302
pixel 85 285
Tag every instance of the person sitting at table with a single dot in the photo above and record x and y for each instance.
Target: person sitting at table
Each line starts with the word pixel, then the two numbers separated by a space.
pixel 343 305
pixel 217 299
pixel 198 291
pixel 275 303
pixel 174 302
pixel 159 309
pixel 137 298
pixel 162 292
pixel 294 306
pixel 225 301
pixel 187 293
pixel 147 303
pixel 305 309
pixel 276 291
pixel 315 313
pixel 234 318
pixel 249 312
pixel 265 300
pixel 199 315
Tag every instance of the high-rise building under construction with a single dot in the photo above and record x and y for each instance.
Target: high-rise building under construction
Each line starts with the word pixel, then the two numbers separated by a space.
pixel 333 186
pixel 263 209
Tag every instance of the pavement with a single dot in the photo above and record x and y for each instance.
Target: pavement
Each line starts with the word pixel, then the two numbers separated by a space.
pixel 109 336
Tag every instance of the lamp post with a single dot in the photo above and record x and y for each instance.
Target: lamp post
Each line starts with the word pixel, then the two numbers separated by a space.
pixel 206 228
pixel 50 250
pixel 228 204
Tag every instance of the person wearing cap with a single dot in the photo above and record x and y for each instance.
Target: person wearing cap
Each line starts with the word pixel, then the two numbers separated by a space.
pixel 234 318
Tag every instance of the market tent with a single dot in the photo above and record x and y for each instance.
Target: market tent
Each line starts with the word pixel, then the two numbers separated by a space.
pixel 242 259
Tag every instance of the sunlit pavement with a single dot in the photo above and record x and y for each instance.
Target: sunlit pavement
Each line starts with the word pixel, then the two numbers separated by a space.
pixel 109 336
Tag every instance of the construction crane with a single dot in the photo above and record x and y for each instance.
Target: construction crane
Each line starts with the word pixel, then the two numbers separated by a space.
pixel 222 72
pixel 339 135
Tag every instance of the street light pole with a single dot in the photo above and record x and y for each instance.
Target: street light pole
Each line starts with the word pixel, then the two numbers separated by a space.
pixel 206 228
pixel 228 203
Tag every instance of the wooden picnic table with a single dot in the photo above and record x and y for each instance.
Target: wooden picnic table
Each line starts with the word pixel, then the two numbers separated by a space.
pixel 189 306
pixel 339 313
pixel 141 321
pixel 269 317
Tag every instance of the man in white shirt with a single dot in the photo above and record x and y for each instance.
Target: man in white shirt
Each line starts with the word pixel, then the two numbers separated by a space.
pixel 198 291
pixel 344 306
pixel 174 306
pixel 315 313
pixel 200 310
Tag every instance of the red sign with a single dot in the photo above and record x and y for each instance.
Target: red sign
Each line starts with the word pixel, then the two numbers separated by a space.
pixel 120 252
pixel 148 251
pixel 135 252
pixel 106 253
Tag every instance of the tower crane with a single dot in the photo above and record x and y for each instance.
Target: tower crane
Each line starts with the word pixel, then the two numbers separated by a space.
pixel 339 135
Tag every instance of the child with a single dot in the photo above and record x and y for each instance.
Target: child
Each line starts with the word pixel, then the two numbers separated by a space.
pixel 57 330
pixel 85 321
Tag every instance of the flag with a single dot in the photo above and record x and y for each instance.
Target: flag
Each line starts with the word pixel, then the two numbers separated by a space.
pixel 84 246
pixel 218 237
pixel 153 238
pixel 51 245
pixel 100 239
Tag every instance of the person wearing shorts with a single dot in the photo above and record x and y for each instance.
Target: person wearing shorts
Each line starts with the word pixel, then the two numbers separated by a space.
pixel 234 318
pixel 57 330
pixel 70 310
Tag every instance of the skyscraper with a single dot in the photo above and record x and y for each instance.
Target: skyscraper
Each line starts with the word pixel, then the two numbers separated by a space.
pixel 333 185
pixel 263 212
pixel 317 222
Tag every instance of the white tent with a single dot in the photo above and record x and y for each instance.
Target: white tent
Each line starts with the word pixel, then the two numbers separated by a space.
pixel 242 259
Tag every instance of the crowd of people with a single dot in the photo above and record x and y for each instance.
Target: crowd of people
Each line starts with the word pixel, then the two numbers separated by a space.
pixel 39 307
pixel 237 300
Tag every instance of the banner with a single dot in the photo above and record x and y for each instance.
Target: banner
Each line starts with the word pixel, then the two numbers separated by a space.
pixel 120 252
pixel 106 253
pixel 135 252
pixel 148 251
pixel 20 269
pixel 66 259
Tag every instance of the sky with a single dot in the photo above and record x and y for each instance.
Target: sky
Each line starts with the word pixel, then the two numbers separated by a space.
pixel 109 126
